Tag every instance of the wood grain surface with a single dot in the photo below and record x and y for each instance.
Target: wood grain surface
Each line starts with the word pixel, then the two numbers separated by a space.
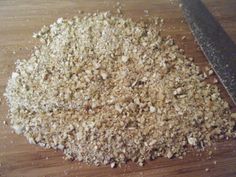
pixel 20 18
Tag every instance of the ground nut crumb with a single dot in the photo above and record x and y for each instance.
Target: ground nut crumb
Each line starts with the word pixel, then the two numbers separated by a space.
pixel 152 109
pixel 104 90
pixel 192 141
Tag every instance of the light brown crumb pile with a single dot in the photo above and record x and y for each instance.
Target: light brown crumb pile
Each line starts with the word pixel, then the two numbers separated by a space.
pixel 105 90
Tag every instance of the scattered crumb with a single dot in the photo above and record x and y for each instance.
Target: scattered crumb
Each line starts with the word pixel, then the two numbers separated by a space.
pixel 210 153
pixel 118 11
pixel 207 68
pixel 80 12
pixel 233 115
pixel 113 164
pixel 66 172
pixel 215 80
pixel 207 169
pixel 190 58
pixel 183 38
pixel 210 72
pixel 141 164
pixel 214 162
pixel 146 11
pixel 181 51
pixel 118 8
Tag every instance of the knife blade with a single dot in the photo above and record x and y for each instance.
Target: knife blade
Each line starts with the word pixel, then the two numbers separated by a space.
pixel 216 45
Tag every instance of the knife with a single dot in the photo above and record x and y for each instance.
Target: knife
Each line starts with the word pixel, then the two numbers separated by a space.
pixel 216 45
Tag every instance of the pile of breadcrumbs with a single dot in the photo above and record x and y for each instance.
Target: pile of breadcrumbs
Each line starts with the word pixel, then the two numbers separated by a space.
pixel 106 90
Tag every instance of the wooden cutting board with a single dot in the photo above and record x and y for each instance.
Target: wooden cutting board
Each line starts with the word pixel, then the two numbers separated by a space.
pixel 19 19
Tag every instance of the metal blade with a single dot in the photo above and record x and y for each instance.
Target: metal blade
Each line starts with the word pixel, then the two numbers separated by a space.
pixel 216 45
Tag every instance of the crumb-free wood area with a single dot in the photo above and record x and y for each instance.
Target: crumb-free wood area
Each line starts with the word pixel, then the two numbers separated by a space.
pixel 19 19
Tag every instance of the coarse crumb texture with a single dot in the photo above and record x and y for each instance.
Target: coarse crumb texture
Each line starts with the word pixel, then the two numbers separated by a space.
pixel 105 90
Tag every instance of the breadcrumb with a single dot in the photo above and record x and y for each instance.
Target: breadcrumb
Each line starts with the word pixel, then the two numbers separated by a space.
pixel 105 90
